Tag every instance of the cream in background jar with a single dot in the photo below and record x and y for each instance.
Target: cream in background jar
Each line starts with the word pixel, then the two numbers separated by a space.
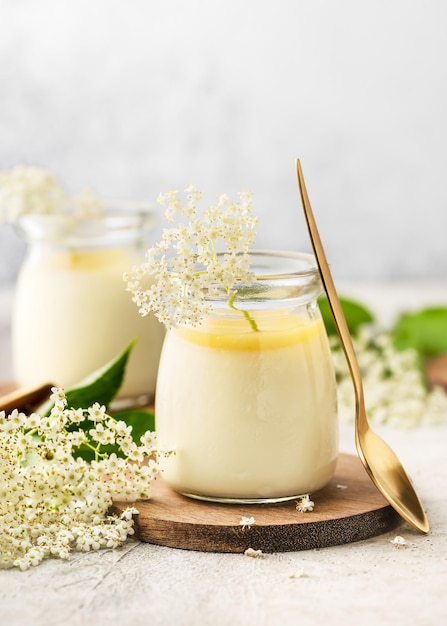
pixel 72 313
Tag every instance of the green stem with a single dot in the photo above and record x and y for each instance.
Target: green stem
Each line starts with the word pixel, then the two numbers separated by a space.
pixel 96 449
pixel 232 298
pixel 246 314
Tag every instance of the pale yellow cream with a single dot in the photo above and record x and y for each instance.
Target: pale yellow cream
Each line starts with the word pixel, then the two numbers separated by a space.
pixel 72 315
pixel 249 415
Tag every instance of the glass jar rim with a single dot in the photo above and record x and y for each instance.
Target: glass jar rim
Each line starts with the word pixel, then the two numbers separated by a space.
pixel 287 264
pixel 282 278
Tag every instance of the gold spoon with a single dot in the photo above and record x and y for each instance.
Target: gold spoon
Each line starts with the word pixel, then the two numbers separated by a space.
pixel 381 463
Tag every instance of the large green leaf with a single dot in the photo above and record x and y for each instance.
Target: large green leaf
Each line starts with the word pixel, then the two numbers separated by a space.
pixel 425 331
pixel 101 386
pixel 356 315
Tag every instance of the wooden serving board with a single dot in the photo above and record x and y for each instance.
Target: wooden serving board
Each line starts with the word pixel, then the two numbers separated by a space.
pixel 348 509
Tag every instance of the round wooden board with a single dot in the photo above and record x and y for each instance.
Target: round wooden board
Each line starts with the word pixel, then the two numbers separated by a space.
pixel 348 509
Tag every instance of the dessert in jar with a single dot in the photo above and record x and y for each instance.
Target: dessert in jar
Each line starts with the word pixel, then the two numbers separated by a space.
pixel 249 409
pixel 72 313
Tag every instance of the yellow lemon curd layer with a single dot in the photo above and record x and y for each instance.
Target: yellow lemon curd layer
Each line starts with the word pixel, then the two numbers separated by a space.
pixel 236 334
pixel 89 260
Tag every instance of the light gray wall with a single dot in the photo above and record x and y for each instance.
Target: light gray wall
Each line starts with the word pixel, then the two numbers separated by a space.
pixel 136 96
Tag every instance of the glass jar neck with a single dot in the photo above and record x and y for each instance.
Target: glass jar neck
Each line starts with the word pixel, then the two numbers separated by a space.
pixel 111 229
pixel 263 316
pixel 283 280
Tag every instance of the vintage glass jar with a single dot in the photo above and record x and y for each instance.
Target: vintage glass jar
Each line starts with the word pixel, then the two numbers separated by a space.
pixel 250 415
pixel 72 313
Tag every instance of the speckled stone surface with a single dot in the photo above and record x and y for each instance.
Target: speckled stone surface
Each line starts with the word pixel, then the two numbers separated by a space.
pixel 366 582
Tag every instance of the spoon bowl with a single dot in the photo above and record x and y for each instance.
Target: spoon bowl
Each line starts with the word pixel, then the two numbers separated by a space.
pixel 379 460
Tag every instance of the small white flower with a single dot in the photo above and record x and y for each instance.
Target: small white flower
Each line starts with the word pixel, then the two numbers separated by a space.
pixel 247 522
pixel 254 554
pixel 97 413
pixel 77 438
pixel 129 512
pixel 102 435
pixel 305 504
pixel 399 542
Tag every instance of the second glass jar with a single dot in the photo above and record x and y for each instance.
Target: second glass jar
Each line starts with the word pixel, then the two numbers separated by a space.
pixel 72 313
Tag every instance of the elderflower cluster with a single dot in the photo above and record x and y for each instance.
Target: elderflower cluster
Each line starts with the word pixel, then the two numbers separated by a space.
pixel 199 257
pixel 52 501
pixel 396 391
pixel 28 189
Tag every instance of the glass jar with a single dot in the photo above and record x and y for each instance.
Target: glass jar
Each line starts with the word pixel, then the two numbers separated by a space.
pixel 72 313
pixel 250 415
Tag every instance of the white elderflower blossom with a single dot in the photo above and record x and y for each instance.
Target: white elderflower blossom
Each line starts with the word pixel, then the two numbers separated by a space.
pixel 399 542
pixel 196 258
pixel 52 501
pixel 396 391
pixel 247 522
pixel 28 189
pixel 254 554
pixel 305 504
pixel 97 412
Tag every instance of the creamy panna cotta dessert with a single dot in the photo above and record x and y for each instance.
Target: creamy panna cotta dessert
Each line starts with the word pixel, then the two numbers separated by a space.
pixel 245 404
pixel 253 416
pixel 72 315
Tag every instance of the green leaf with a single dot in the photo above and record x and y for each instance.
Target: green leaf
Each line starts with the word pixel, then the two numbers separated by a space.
pixel 425 331
pixel 101 386
pixel 356 315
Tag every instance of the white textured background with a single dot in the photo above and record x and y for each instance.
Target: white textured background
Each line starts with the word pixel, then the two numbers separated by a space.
pixel 135 96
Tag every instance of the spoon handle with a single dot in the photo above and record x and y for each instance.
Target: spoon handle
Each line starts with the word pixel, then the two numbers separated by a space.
pixel 21 398
pixel 329 287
